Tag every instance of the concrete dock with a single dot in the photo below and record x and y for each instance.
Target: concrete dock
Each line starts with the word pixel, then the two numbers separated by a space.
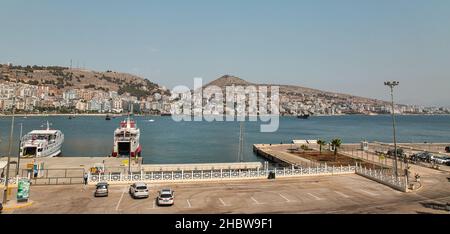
pixel 279 153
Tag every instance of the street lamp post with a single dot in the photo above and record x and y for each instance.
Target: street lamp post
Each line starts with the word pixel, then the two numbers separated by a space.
pixel 18 156
pixel 392 84
pixel 5 192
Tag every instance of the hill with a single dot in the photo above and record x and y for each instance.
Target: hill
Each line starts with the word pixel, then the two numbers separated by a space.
pixel 63 78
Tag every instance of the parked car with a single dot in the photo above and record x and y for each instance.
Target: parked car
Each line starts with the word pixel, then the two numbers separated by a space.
pixel 165 197
pixel 447 149
pixel 139 190
pixel 101 189
pixel 441 159
pixel 400 152
pixel 423 156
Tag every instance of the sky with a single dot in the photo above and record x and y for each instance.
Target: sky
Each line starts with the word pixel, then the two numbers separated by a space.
pixel 346 46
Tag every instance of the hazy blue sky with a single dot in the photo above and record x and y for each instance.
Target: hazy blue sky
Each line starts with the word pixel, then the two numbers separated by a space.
pixel 335 45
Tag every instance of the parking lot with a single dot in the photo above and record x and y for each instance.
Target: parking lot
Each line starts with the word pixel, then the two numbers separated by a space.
pixel 332 194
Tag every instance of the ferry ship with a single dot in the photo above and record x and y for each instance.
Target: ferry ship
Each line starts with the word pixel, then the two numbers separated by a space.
pixel 41 143
pixel 126 139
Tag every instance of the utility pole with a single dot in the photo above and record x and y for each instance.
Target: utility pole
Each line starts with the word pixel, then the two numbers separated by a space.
pixel 392 85
pixel 241 143
pixel 18 156
pixel 5 192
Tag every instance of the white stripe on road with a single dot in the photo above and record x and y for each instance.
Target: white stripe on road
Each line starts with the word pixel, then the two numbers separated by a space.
pixel 256 202
pixel 342 194
pixel 223 203
pixel 287 200
pixel 118 203
pixel 367 192
pixel 189 204
pixel 315 197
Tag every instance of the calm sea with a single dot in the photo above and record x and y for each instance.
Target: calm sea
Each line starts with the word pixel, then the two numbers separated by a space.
pixel 167 141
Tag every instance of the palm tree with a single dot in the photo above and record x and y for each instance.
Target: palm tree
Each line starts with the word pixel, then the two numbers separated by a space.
pixel 336 143
pixel 321 143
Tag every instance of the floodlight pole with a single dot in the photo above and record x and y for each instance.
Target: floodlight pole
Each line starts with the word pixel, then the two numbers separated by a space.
pixel 392 85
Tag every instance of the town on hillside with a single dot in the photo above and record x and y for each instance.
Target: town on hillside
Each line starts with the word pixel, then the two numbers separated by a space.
pixel 61 90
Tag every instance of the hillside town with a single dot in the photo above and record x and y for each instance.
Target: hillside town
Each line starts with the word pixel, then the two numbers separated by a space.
pixel 32 92
pixel 43 99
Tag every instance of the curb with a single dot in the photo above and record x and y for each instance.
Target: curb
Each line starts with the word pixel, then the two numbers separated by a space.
pixel 18 206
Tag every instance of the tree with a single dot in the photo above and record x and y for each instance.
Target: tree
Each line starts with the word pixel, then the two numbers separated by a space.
pixel 336 143
pixel 321 143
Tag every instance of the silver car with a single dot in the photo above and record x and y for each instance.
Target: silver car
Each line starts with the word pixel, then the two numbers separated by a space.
pixel 166 197
pixel 139 190
pixel 101 190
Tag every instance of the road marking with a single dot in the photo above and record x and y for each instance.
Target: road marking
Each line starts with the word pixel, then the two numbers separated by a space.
pixel 342 194
pixel 367 192
pixel 287 200
pixel 189 204
pixel 223 203
pixel 256 202
pixel 120 200
pixel 315 197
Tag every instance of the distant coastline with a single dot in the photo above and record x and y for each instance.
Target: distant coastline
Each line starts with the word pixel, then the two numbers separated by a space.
pixel 124 114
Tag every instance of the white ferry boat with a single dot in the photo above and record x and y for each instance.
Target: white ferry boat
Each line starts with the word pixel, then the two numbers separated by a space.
pixel 126 139
pixel 42 143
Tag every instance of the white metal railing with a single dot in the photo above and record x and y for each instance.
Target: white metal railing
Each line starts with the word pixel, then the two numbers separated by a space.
pixel 12 180
pixel 217 174
pixel 399 183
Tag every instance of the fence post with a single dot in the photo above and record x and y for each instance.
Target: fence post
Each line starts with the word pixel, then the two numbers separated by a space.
pixel 257 172
pixel 172 175
pixel 182 174
pixel 151 176
pixel 221 173
pixel 192 175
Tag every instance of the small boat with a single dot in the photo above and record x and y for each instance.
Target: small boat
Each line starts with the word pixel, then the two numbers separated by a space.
pixel 42 143
pixel 303 116
pixel 108 117
pixel 166 114
pixel 126 139
pixel 151 120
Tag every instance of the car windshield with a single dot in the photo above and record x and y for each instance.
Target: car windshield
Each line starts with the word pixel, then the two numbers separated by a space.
pixel 101 187
pixel 141 188
pixel 166 195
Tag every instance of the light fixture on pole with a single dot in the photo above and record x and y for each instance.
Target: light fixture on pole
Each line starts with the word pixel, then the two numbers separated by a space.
pixel 391 85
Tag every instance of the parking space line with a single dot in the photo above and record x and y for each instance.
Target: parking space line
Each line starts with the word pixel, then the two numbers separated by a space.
pixel 367 192
pixel 287 200
pixel 342 194
pixel 315 197
pixel 223 203
pixel 189 204
pixel 256 202
pixel 120 200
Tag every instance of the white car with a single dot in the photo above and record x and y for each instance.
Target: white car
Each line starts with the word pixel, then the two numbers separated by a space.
pixel 166 197
pixel 441 159
pixel 139 190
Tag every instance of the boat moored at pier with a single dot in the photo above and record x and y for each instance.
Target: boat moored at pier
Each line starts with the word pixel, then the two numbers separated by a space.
pixel 126 140
pixel 41 143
